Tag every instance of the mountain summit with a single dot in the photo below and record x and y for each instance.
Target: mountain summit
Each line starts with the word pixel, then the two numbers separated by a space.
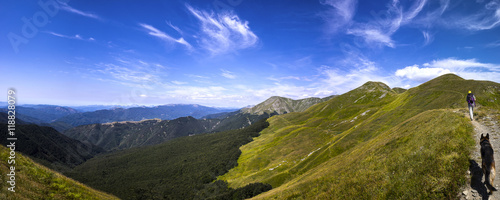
pixel 282 105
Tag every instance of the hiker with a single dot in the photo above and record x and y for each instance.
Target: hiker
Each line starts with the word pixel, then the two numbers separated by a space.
pixel 471 101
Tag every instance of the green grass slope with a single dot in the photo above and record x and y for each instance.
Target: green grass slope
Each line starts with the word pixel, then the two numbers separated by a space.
pixel 34 181
pixel 370 143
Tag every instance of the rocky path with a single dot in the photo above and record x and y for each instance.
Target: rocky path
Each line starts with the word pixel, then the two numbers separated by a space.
pixel 475 189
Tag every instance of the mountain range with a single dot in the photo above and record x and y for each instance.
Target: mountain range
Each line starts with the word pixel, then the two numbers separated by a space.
pixel 62 118
pixel 373 142
pixel 128 134
pixel 166 112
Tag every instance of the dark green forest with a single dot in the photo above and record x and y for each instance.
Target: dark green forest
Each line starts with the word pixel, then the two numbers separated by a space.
pixel 183 168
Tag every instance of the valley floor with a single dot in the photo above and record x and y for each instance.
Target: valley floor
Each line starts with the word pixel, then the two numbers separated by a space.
pixel 485 122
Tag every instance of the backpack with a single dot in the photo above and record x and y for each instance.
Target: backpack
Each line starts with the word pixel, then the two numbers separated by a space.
pixel 470 98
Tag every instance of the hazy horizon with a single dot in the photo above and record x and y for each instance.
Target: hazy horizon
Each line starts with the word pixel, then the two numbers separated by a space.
pixel 238 53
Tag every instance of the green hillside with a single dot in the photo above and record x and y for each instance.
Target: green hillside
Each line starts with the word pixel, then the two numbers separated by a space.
pixel 370 143
pixel 48 147
pixel 129 134
pixel 34 181
pixel 183 168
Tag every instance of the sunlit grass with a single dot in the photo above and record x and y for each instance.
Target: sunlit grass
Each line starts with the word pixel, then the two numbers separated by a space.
pixel 34 181
pixel 409 144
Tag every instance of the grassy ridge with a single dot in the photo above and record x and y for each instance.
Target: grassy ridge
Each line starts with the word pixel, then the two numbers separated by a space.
pixel 34 181
pixel 337 147
pixel 409 161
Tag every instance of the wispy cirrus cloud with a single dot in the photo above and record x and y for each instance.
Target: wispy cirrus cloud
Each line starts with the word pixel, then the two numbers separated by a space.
pixel 75 37
pixel 126 75
pixel 67 8
pixel 378 31
pixel 279 79
pixel 428 38
pixel 174 27
pixel 179 82
pixel 228 74
pixel 379 28
pixel 486 18
pixel 163 36
pixel 223 32
pixel 130 72
pixel 340 13
pixel 494 44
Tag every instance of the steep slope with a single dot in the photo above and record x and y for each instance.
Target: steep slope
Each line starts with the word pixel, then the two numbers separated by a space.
pixel 50 147
pixel 123 135
pixel 34 181
pixel 183 168
pixel 282 105
pixel 370 143
pixel 399 90
pixel 128 134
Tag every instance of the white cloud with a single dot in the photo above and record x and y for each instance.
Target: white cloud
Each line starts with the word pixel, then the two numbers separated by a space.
pixel 174 27
pixel 428 38
pixel 133 73
pixel 179 82
pixel 279 79
pixel 485 19
pixel 126 74
pixel 66 7
pixel 223 32
pixel 75 37
pixel 379 30
pixel 469 69
pixel 421 74
pixel 197 76
pixel 373 36
pixel 228 74
pixel 414 11
pixel 340 13
pixel 462 65
pixel 162 35
pixel 494 44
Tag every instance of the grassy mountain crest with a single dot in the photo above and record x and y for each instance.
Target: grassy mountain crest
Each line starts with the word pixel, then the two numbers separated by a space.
pixel 369 137
pixel 34 181
pixel 282 105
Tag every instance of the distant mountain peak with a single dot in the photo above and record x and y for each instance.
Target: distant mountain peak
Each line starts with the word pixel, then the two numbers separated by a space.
pixel 372 86
pixel 450 76
pixel 282 105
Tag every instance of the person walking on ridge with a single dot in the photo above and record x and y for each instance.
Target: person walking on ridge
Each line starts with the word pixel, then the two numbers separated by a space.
pixel 471 101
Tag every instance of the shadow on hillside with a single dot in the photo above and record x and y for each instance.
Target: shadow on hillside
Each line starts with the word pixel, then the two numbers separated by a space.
pixel 476 179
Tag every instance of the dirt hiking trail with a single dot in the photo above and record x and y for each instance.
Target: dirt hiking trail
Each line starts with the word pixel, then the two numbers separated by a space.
pixel 475 188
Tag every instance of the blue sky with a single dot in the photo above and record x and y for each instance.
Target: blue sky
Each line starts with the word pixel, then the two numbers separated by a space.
pixel 233 53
